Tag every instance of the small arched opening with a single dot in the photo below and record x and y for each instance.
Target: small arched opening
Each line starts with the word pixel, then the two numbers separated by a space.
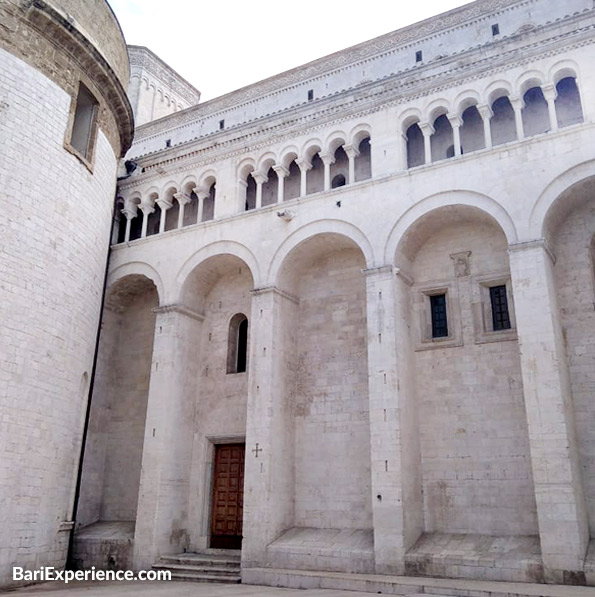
pixel 315 176
pixel 569 109
pixel 472 136
pixel 536 118
pixel 340 167
pixel 363 162
pixel 415 146
pixel 154 216
pixel 292 182
pixel 338 181
pixel 442 139
pixel 270 188
pixel 208 206
pixel 502 122
pixel 237 344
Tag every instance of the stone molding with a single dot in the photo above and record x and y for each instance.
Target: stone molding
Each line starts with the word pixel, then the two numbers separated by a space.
pixel 394 91
pixel 177 308
pixel 277 291
pixel 541 243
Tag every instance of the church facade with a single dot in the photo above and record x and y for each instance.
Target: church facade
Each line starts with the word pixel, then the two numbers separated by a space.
pixel 349 320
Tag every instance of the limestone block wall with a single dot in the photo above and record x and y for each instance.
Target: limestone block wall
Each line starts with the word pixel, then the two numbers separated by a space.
pixel 330 396
pixel 476 464
pixel 52 269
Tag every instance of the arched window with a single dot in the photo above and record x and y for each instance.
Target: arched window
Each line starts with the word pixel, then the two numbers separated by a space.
pixel 442 138
pixel 340 167
pixel 363 162
pixel 270 188
pixel 250 193
pixel 472 137
pixel 415 146
pixel 569 109
pixel 502 122
pixel 208 206
pixel 191 210
pixel 237 344
pixel 292 182
pixel 536 119
pixel 315 176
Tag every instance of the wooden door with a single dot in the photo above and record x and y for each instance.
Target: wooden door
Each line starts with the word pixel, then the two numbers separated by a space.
pixel 228 496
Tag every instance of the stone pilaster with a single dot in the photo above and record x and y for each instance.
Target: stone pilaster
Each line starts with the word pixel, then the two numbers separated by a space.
pixel 561 511
pixel 395 466
pixel 162 515
pixel 268 484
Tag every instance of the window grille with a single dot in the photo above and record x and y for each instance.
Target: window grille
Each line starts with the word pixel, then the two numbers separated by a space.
pixel 439 319
pixel 500 314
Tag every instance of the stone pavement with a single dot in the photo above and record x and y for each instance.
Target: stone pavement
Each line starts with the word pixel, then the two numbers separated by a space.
pixel 172 589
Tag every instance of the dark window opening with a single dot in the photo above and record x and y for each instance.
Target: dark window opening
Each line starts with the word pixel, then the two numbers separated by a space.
pixel 338 181
pixel 500 314
pixel 450 151
pixel 439 319
pixel 310 95
pixel 83 126
pixel 418 56
pixel 495 29
pixel 221 125
pixel 168 143
pixel 237 346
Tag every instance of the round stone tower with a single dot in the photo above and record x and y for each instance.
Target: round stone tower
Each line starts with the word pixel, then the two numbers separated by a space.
pixel 65 121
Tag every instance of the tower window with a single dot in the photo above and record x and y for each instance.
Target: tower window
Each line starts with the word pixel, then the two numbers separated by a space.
pixel 418 56
pixel 439 319
pixel 310 95
pixel 500 314
pixel 85 123
pixel 237 345
pixel 495 29
pixel 168 143
pixel 221 125
pixel 338 181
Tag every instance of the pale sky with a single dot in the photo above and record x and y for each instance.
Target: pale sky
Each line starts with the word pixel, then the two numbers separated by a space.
pixel 221 45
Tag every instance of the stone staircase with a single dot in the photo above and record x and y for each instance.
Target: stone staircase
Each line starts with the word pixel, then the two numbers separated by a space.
pixel 212 565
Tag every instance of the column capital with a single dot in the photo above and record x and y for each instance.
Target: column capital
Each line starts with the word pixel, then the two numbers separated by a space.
pixel 177 308
pixel 351 151
pixel 517 102
pixel 163 204
pixel 129 213
pixel 550 92
pixel 304 165
pixel 259 178
pixel 426 128
pixel 182 198
pixel 147 208
pixel 455 120
pixel 327 158
pixel 200 192
pixel 485 111
pixel 281 170
pixel 537 243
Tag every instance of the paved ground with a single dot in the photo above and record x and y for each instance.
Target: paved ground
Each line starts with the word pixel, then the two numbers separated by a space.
pixel 170 589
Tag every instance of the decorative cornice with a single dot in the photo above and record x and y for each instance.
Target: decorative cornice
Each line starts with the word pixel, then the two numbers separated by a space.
pixel 175 308
pixel 192 160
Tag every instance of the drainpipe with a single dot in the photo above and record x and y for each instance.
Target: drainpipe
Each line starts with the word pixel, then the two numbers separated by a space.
pixel 77 492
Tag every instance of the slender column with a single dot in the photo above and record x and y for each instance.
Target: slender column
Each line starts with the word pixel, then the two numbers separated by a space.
pixel 201 194
pixel 304 166
pixel 164 205
pixel 550 93
pixel 282 172
pixel 456 122
pixel 182 199
pixel 130 211
pixel 518 104
pixel 352 153
pixel 147 210
pixel 268 486
pixel 396 487
pixel 486 115
pixel 328 160
pixel 260 180
pixel 404 164
pixel 167 449
pixel 563 525
pixel 427 131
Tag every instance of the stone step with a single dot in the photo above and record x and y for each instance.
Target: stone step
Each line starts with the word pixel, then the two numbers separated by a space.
pixel 196 577
pixel 413 586
pixel 201 560
pixel 211 570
